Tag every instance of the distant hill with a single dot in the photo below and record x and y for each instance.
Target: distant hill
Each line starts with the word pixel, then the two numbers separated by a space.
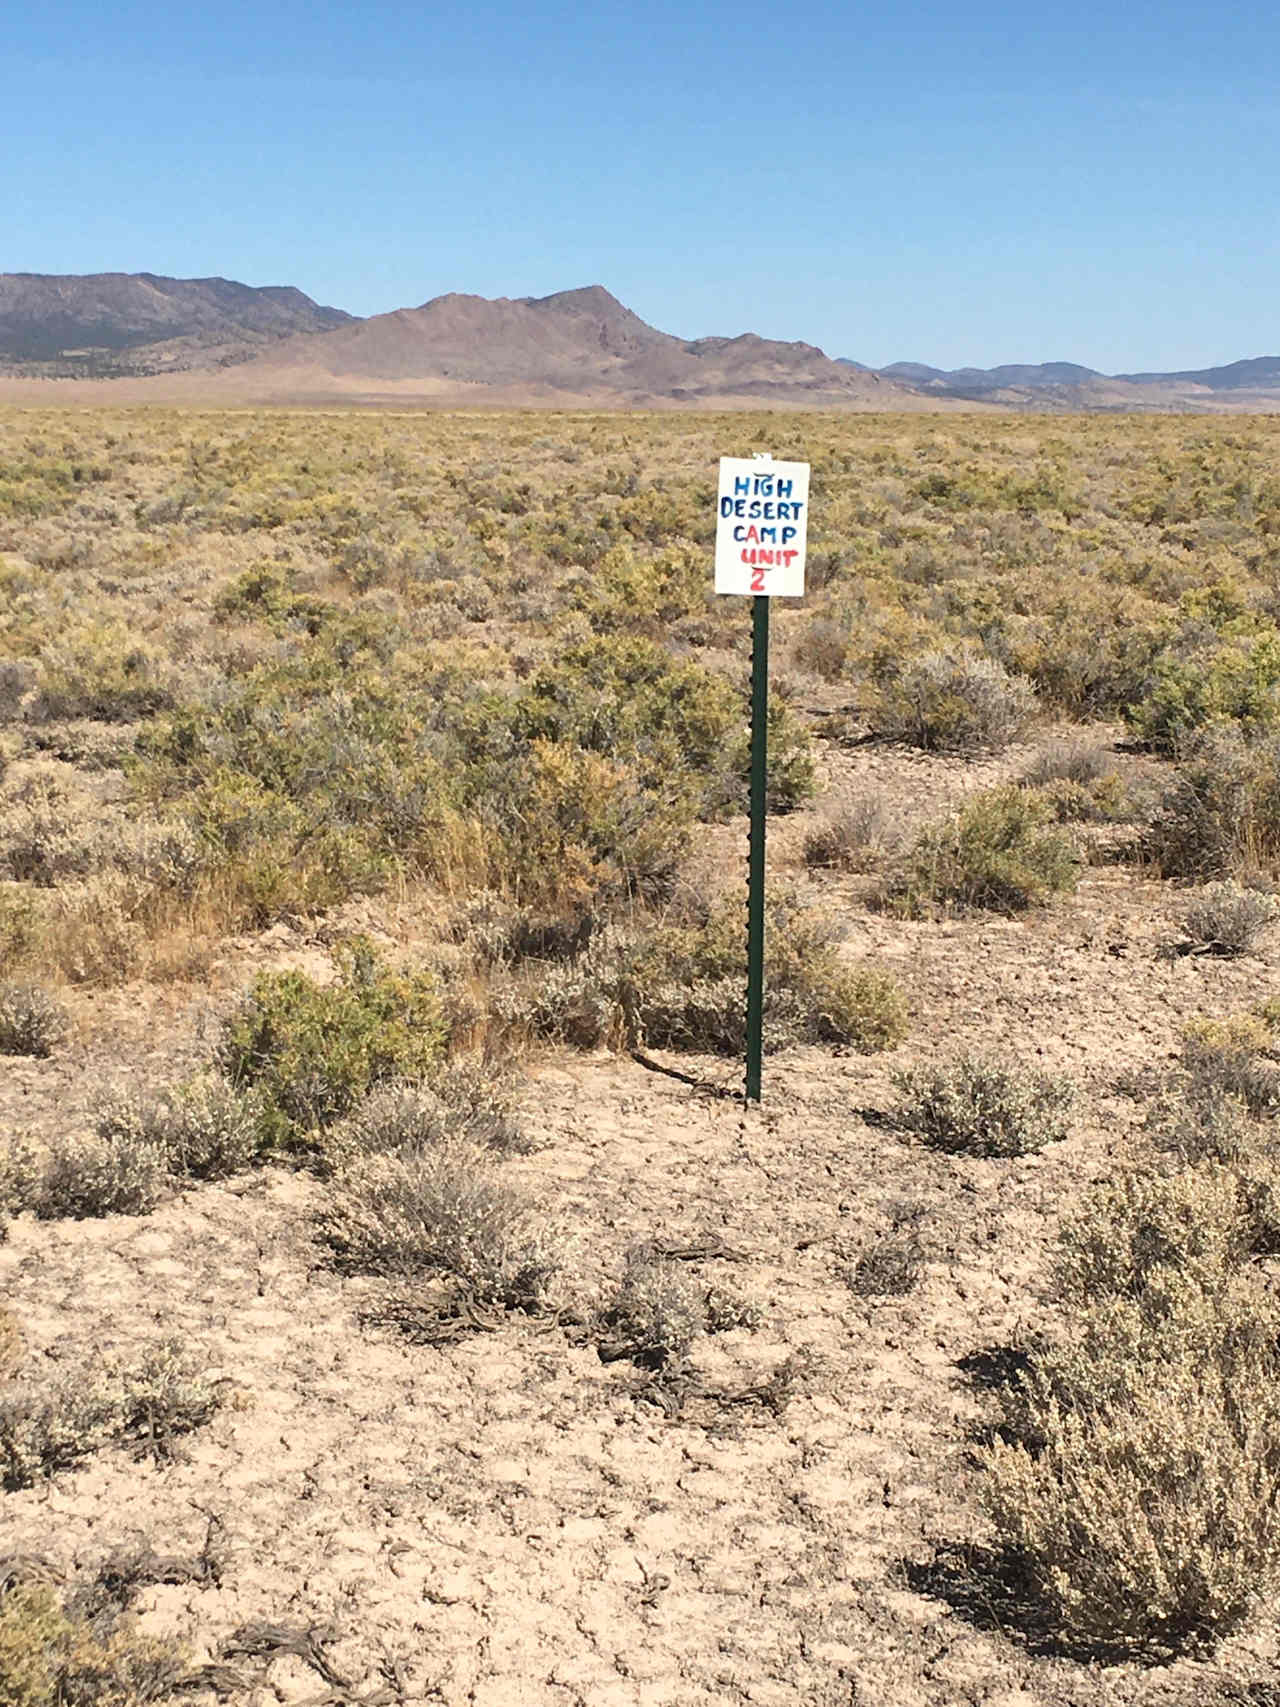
pixel 1243 385
pixel 1259 373
pixel 140 323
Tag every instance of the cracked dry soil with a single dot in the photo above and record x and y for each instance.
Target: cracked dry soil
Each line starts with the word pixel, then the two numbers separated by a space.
pixel 509 1521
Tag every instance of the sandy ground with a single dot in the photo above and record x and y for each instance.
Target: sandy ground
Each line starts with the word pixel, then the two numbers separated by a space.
pixel 509 1521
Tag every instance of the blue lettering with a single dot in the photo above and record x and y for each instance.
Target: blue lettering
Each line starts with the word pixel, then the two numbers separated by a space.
pixel 726 506
pixel 771 534
pixel 741 485
pixel 739 534
pixel 788 534
pixel 784 488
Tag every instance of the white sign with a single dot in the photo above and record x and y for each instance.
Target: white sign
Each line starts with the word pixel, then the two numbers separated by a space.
pixel 762 513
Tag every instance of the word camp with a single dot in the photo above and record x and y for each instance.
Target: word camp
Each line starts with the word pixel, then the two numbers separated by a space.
pixel 767 518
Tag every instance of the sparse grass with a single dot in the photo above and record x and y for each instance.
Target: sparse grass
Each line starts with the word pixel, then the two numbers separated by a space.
pixel 983 1107
pixel 887 1269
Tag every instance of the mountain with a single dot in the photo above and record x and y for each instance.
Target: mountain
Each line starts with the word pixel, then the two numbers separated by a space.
pixel 576 347
pixel 141 337
pixel 1243 385
pixel 136 323
pixel 1261 373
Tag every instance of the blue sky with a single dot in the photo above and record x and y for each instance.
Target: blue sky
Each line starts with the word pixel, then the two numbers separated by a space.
pixel 923 180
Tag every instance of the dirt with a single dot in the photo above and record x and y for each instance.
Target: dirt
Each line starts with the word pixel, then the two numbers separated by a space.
pixel 509 1521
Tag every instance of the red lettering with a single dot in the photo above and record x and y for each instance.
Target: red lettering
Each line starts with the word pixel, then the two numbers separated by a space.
pixel 757 580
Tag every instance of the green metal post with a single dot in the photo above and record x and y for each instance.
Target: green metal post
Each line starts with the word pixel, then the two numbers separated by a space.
pixel 755 893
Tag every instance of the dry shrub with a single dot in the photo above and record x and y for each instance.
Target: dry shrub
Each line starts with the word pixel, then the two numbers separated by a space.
pixel 53 1424
pixel 31 1021
pixel 1227 918
pixel 955 702
pixel 120 1170
pixel 684 987
pixel 12 1345
pixel 52 1658
pixel 1208 1124
pixel 443 1209
pixel 397 1117
pixel 1074 758
pixel 1137 1482
pixel 853 836
pixel 982 1107
pixel 725 1308
pixel 656 1313
pixel 1234 1057
pixel 203 1128
pixel 1219 816
pixel 1140 1224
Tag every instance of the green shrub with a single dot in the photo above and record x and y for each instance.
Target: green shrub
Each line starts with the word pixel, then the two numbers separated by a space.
pixel 982 1107
pixel 101 671
pixel 1000 852
pixel 955 702
pixel 52 1658
pixel 313 1050
pixel 670 722
pixel 1233 679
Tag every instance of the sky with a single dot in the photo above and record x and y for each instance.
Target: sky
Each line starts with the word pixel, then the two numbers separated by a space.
pixel 959 184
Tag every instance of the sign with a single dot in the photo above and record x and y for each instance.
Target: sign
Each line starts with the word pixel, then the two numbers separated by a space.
pixel 762 515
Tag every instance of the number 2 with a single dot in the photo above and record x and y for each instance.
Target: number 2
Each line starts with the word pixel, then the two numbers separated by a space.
pixel 757 580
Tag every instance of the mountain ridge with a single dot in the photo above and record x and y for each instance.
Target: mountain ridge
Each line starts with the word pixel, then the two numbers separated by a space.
pixel 218 338
pixel 91 324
